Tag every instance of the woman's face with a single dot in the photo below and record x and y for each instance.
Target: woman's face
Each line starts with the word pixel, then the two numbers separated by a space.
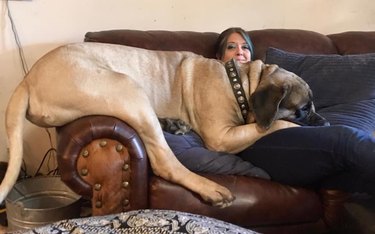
pixel 236 48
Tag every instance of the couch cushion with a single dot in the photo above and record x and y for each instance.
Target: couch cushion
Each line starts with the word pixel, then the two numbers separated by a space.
pixel 343 86
pixel 202 43
pixel 290 40
pixel 353 42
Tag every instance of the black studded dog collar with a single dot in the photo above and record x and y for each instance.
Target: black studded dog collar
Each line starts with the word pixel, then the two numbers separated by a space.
pixel 237 88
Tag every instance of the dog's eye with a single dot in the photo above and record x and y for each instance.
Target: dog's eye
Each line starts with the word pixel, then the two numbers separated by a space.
pixel 309 106
pixel 300 113
pixel 305 108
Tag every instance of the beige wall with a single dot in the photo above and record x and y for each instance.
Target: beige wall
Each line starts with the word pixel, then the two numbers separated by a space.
pixel 44 24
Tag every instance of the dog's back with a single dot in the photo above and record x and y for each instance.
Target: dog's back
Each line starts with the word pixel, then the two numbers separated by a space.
pixel 98 69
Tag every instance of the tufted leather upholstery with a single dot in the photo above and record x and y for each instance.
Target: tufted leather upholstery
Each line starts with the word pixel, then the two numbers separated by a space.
pixel 103 159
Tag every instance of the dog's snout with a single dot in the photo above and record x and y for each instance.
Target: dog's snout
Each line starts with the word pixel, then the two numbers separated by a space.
pixel 317 120
pixel 306 115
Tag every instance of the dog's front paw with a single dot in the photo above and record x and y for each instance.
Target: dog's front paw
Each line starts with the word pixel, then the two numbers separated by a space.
pixel 218 196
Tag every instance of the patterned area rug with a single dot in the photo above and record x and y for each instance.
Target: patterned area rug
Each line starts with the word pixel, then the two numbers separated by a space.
pixel 143 221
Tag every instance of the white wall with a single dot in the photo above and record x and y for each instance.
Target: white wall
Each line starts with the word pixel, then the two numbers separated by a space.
pixel 45 24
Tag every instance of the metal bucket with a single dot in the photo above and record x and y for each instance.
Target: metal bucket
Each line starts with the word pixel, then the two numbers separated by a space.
pixel 39 201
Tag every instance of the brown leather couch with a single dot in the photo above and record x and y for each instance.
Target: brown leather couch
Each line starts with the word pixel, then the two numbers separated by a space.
pixel 103 159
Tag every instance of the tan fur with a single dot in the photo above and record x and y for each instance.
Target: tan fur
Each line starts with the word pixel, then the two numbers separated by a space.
pixel 137 86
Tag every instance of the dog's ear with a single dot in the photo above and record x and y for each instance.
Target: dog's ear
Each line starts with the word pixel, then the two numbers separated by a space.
pixel 265 102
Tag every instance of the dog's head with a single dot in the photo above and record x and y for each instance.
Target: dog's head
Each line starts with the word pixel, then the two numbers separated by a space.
pixel 283 95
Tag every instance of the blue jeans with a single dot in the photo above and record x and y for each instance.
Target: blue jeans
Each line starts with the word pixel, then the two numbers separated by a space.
pixel 336 157
pixel 190 151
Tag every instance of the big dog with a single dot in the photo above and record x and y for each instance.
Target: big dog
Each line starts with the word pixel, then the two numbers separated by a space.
pixel 138 86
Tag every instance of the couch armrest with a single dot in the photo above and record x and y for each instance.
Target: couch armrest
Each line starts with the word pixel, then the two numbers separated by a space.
pixel 103 159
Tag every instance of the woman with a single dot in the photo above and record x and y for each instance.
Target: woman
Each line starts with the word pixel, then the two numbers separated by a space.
pixel 334 157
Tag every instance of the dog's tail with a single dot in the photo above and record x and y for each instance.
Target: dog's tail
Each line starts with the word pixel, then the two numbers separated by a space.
pixel 15 120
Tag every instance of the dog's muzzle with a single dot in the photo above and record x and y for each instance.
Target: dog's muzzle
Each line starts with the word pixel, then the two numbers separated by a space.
pixel 308 117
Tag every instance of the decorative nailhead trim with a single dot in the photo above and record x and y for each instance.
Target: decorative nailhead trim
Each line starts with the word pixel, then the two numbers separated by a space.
pixel 237 88
pixel 125 184
pixel 125 167
pixel 119 147
pixel 126 202
pixel 84 172
pixel 97 187
pixel 85 153
pixel 103 143
pixel 98 204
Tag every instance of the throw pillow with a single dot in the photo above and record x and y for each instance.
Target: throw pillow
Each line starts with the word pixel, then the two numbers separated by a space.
pixel 343 85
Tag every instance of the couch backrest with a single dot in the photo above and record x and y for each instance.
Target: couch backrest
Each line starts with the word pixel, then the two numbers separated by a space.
pixel 293 40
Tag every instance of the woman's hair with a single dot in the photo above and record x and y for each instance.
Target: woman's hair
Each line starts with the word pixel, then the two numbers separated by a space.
pixel 222 40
